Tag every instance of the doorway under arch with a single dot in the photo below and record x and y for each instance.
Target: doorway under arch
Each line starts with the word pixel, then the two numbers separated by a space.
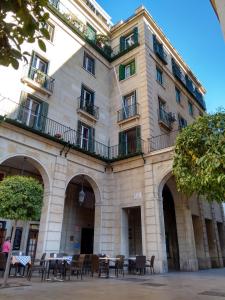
pixel 171 239
pixel 79 217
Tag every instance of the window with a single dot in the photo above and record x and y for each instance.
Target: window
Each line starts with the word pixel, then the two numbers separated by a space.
pixel 125 71
pixel 190 108
pixel 129 105
pixel 51 30
pixel 91 33
pixel 89 63
pixel 158 49
pixel 130 141
pixel 32 112
pixel 178 95
pixel 85 137
pixel 159 76
pixel 129 40
pixel 182 122
pixel 87 100
pixel 39 63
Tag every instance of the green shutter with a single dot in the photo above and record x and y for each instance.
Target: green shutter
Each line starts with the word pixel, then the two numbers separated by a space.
pixel 132 68
pixel 81 104
pixel 135 31
pixel 122 143
pixel 91 33
pixel 121 72
pixel 42 118
pixel 122 43
pixel 138 139
pixel 79 124
pixel 91 142
pixel 23 98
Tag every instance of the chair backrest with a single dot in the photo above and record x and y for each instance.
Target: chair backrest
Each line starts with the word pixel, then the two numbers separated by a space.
pixel 80 261
pixel 140 261
pixel 152 261
pixel 2 261
pixel 94 263
pixel 120 263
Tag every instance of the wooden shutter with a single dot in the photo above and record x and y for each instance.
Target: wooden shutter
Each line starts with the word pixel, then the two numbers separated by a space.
pixel 121 72
pixel 42 118
pixel 79 130
pixel 135 31
pixel 122 143
pixel 23 98
pixel 132 68
pixel 91 141
pixel 122 43
pixel 138 139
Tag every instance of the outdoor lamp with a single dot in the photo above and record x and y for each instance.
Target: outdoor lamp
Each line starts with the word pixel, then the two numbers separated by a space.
pixel 81 195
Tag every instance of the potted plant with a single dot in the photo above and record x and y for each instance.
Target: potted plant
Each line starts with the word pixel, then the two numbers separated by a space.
pixel 58 135
pixel 101 40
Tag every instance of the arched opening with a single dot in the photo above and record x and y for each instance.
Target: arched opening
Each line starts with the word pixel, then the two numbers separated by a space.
pixel 26 238
pixel 79 217
pixel 171 239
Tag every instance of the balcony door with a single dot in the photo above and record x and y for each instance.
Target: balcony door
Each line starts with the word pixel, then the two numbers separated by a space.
pixel 30 112
pixel 39 64
pixel 129 105
pixel 130 141
pixel 86 137
pixel 87 100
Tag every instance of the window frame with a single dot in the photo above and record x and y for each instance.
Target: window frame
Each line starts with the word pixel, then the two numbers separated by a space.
pixel 51 32
pixel 178 92
pixel 190 108
pixel 180 121
pixel 160 79
pixel 87 58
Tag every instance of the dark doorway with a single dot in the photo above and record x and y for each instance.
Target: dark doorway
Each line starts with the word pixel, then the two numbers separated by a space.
pixel 170 230
pixel 32 242
pixel 87 240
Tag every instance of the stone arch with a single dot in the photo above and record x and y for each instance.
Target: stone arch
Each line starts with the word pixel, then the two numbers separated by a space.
pixel 36 163
pixel 93 183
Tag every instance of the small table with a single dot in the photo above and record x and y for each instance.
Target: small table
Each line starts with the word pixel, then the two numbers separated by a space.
pixel 18 260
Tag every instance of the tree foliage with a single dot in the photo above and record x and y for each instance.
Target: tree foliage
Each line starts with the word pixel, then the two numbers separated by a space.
pixel 21 21
pixel 199 161
pixel 21 198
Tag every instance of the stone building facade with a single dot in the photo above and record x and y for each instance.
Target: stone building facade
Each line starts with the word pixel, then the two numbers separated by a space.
pixel 99 111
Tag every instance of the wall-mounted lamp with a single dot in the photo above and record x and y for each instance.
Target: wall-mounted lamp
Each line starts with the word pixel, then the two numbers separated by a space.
pixel 81 194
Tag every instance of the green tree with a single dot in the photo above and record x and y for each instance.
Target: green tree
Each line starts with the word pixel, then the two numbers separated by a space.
pixel 21 21
pixel 21 198
pixel 199 161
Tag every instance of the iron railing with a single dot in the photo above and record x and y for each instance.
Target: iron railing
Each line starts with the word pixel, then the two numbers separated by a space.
pixel 127 112
pixel 80 28
pixel 166 118
pixel 90 109
pixel 21 116
pixel 188 84
pixel 162 141
pixel 39 77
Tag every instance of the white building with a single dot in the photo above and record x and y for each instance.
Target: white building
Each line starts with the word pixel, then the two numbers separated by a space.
pixel 99 112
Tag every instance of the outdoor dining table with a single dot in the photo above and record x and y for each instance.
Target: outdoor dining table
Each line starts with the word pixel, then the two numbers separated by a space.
pixel 21 259
pixel 67 259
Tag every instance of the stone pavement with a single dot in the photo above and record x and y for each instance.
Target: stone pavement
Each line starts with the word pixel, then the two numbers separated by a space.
pixel 202 285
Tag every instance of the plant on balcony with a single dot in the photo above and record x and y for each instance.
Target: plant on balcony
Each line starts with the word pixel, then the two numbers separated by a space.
pixel 199 161
pixel 39 77
pixel 21 198
pixel 102 40
pixel 58 135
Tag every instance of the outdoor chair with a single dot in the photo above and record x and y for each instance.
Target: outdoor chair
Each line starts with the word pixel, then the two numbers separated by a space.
pixel 76 267
pixel 103 267
pixel 151 264
pixel 94 264
pixel 87 263
pixel 119 265
pixel 2 262
pixel 38 265
pixel 140 264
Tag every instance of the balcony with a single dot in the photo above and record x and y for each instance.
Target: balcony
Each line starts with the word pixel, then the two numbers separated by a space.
pixel 188 84
pixel 101 43
pixel 22 117
pixel 166 119
pixel 162 141
pixel 89 111
pixel 38 80
pixel 159 51
pixel 128 112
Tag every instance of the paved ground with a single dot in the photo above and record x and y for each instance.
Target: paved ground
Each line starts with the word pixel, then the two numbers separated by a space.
pixel 203 285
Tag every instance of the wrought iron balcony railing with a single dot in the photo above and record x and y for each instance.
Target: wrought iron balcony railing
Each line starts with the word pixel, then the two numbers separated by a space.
pixel 24 117
pixel 41 78
pixel 91 109
pixel 162 141
pixel 166 118
pixel 128 112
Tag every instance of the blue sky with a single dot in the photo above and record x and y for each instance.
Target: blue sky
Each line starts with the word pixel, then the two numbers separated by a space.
pixel 193 29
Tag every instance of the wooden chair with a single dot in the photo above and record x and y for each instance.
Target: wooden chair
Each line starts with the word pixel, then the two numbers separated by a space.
pixel 76 267
pixel 140 264
pixel 119 265
pixel 94 264
pixel 37 265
